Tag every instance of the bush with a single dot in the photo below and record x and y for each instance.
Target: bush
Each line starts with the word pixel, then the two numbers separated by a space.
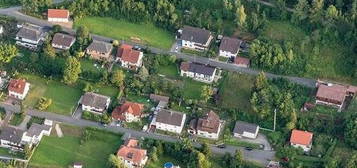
pixel 44 103
pixel 35 119
pixel 91 116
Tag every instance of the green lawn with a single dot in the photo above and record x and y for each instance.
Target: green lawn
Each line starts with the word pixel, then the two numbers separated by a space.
pixel 192 89
pixel 235 91
pixel 57 152
pixel 88 65
pixel 64 97
pixel 16 119
pixel 170 71
pixel 236 142
pixel 161 161
pixel 8 3
pixel 124 30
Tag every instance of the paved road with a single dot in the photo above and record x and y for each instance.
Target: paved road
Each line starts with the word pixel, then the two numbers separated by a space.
pixel 230 67
pixel 259 156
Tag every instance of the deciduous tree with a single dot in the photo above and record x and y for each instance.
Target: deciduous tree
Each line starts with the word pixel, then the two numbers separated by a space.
pixel 71 71
pixel 117 78
pixel 7 52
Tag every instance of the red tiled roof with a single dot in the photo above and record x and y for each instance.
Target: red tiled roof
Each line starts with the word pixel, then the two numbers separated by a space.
pixel 130 151
pixel 17 85
pixel 185 66
pixel 301 137
pixel 127 54
pixel 241 61
pixel 334 92
pixel 128 107
pixel 209 122
pixel 57 13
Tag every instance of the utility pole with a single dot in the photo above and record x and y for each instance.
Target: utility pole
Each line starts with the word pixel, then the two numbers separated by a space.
pixel 274 119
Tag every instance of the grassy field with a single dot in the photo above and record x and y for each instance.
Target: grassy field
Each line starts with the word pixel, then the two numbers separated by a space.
pixel 192 88
pixel 123 30
pixel 235 91
pixel 88 65
pixel 64 97
pixel 170 71
pixel 57 152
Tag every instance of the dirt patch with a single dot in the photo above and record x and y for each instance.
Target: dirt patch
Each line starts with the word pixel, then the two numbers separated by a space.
pixel 244 35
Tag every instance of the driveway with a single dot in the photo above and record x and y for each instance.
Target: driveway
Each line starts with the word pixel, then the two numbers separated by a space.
pixel 261 139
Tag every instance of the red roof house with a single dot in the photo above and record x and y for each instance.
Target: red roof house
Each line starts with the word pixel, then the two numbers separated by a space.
pixel 129 57
pixel 18 88
pixel 331 95
pixel 242 62
pixel 58 15
pixel 301 139
pixel 129 112
pixel 132 155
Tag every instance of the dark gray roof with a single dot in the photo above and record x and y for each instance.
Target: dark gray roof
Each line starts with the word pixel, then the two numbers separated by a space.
pixel 63 39
pixel 169 117
pixel 36 129
pixel 100 46
pixel 94 100
pixel 201 69
pixel 230 44
pixel 159 98
pixel 196 35
pixel 30 32
pixel 242 126
pixel 11 134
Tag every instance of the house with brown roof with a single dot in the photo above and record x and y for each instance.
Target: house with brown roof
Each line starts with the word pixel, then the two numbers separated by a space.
pixel 242 62
pixel 18 88
pixel 129 57
pixel 168 120
pixel 332 95
pixel 58 15
pixel 128 112
pixel 195 38
pixel 208 126
pixel 229 47
pixel 132 155
pixel 301 139
pixel 62 41
pixel 95 103
pixel 99 50
pixel 30 36
pixel 199 72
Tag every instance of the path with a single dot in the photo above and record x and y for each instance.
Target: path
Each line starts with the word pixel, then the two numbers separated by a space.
pixel 23 125
pixel 59 131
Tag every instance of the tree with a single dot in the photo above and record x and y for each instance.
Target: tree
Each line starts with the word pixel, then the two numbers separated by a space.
pixel 106 118
pixel 143 73
pixel 56 28
pixel 241 16
pixel 35 6
pixel 202 161
pixel 7 52
pixel 331 163
pixel 115 162
pixel 351 129
pixel 206 93
pixel 83 36
pixel 237 160
pixel 115 43
pixel 206 150
pixel 352 162
pixel 117 78
pixel 44 103
pixel 301 11
pixel 48 50
pixel 154 154
pixel 71 71
pixel 27 151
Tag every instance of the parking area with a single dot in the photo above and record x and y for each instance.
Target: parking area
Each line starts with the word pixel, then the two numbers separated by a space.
pixel 261 139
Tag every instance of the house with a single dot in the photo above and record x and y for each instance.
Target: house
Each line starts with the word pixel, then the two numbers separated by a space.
pixel 11 138
pixel 273 164
pixel 199 72
pixel 99 50
pixel 58 15
pixel 94 102
pixel 36 131
pixel 332 95
pixel 242 62
pixel 245 130
pixel 132 155
pixel 163 101
pixel 1 29
pixel 229 47
pixel 209 126
pixel 128 112
pixel 301 139
pixel 77 165
pixel 18 88
pixel 62 41
pixel 129 58
pixel 195 38
pixel 30 36
pixel 168 120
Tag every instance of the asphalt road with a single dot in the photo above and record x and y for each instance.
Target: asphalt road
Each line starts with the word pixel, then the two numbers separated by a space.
pixel 259 156
pixel 13 11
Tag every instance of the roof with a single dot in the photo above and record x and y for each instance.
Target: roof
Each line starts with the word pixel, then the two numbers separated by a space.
pixel 128 54
pixel 57 13
pixel 156 97
pixel 197 68
pixel 334 92
pixel 94 100
pixel 131 142
pixel 242 127
pixel 301 137
pixel 352 89
pixel 100 46
pixel 30 32
pixel 11 134
pixel 36 129
pixel 209 122
pixel 17 85
pixel 242 61
pixel 131 151
pixel 128 107
pixel 170 117
pixel 230 44
pixel 63 39
pixel 196 35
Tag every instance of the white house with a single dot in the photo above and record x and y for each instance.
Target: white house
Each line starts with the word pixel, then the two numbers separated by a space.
pixel 129 58
pixel 301 139
pixel 30 36
pixel 62 41
pixel 11 138
pixel 168 120
pixel 199 72
pixel 209 126
pixel 229 47
pixel 36 131
pixel 195 38
pixel 18 88
pixel 1 29
pixel 94 102
pixel 131 154
pixel 246 130
pixel 58 15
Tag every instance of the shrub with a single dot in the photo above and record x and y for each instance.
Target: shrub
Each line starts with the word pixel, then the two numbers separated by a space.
pixel 44 103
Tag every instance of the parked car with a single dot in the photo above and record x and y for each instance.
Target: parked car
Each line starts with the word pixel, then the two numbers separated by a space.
pixel 248 148
pixel 221 146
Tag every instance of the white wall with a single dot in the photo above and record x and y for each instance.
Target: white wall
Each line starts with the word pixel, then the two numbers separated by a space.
pixel 171 128
pixel 131 118
pixel 196 46
pixel 227 54
pixel 304 147
pixel 339 106
pixel 205 134
pixel 199 77
pixel 58 19
pixel 20 96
